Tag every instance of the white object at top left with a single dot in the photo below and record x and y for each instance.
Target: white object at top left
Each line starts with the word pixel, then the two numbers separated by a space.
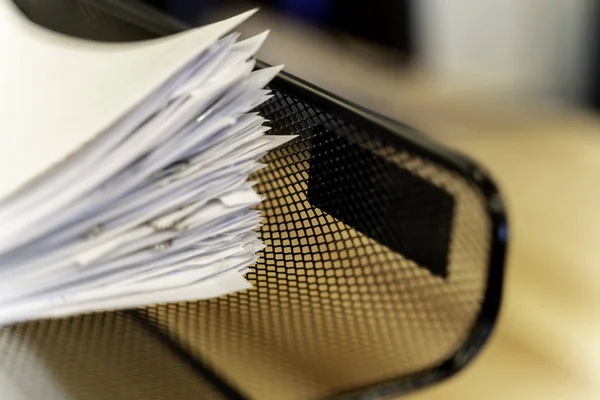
pixel 58 92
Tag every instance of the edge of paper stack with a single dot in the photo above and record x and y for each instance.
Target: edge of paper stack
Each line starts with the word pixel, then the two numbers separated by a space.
pixel 157 207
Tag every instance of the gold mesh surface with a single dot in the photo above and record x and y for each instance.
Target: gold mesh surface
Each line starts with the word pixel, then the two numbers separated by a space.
pixel 94 357
pixel 332 309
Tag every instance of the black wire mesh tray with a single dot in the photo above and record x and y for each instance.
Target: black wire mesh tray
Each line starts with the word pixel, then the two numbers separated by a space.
pixel 382 272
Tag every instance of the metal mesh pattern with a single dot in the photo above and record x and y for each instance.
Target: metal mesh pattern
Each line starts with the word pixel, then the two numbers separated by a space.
pixel 332 308
pixel 94 357
pixel 375 267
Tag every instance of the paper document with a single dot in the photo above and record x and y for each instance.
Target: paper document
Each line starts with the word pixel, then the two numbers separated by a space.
pixel 125 168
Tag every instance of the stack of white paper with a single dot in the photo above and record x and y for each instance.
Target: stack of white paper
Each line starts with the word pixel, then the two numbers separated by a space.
pixel 125 168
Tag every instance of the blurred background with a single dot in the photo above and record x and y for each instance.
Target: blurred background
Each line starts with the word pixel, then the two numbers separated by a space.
pixel 383 51
pixel 515 84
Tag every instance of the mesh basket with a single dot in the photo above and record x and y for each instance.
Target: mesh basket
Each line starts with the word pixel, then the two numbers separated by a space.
pixel 382 271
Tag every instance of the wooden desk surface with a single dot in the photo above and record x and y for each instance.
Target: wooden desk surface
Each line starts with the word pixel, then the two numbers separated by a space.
pixel 547 342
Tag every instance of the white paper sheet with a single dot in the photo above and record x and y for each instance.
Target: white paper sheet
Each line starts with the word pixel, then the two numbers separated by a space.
pixel 76 89
pixel 125 168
